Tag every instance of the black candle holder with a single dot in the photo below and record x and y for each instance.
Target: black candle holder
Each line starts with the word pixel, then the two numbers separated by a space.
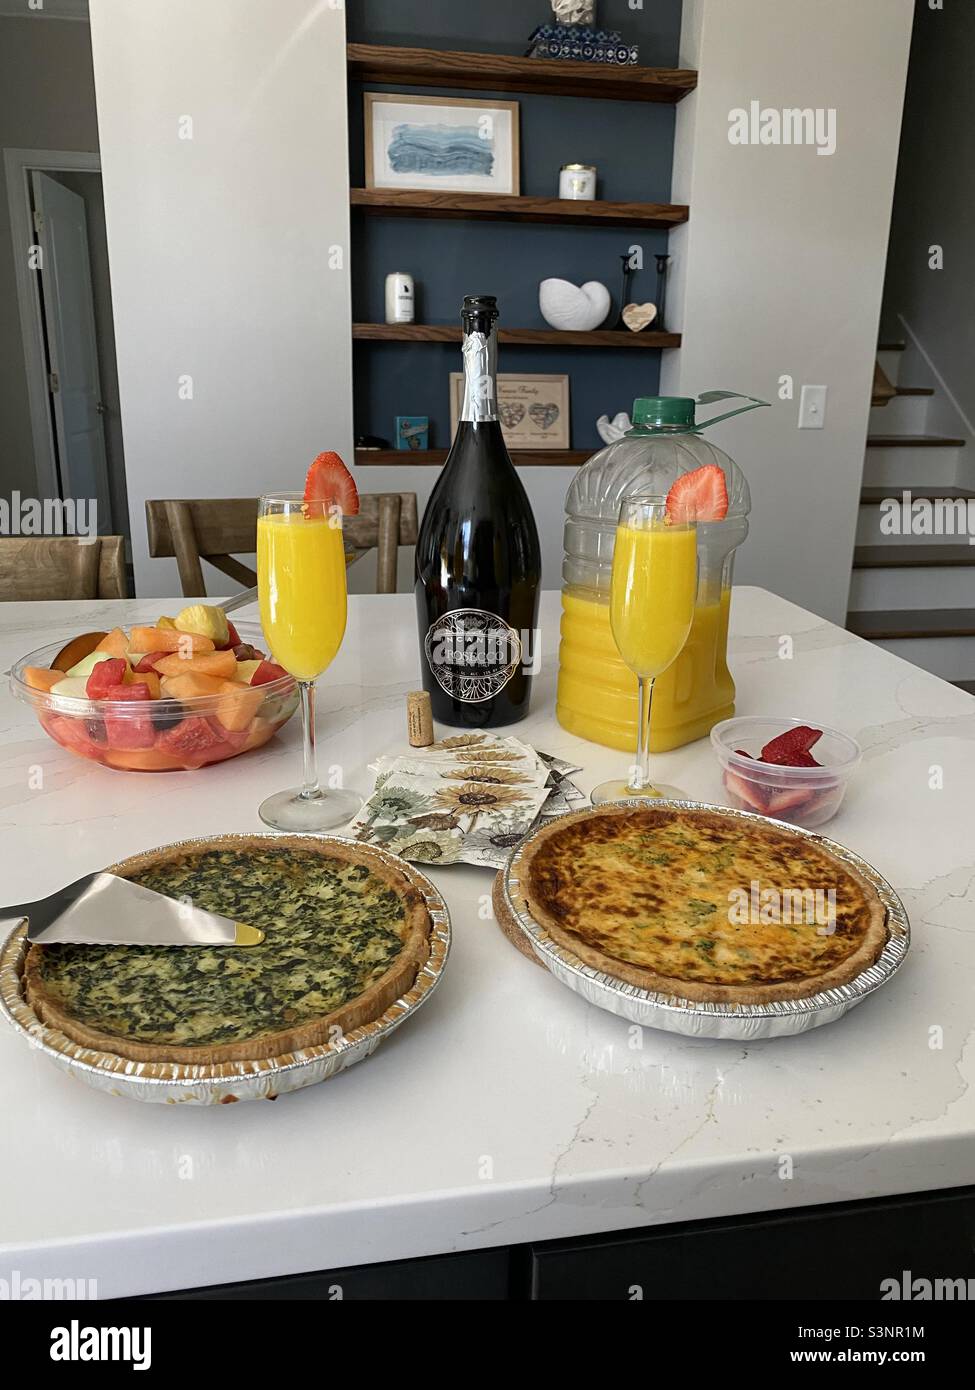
pixel 626 259
pixel 663 261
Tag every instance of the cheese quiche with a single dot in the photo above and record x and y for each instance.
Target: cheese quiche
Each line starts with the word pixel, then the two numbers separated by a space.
pixel 346 934
pixel 701 905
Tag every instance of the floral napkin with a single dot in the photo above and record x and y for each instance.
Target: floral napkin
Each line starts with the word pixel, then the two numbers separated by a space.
pixel 468 799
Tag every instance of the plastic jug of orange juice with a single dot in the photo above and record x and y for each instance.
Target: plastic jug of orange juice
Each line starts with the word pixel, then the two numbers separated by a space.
pixel 597 694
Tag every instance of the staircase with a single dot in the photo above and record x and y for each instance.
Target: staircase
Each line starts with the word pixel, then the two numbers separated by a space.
pixel 912 593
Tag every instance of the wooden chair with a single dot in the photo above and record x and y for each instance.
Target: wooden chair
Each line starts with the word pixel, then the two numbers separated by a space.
pixel 214 529
pixel 61 567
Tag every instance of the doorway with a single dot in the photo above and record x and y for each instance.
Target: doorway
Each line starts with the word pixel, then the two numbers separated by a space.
pixel 64 294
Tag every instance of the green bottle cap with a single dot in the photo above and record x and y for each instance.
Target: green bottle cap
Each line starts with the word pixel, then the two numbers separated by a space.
pixel 664 412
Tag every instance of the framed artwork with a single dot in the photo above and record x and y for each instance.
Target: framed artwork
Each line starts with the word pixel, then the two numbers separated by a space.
pixel 534 409
pixel 446 144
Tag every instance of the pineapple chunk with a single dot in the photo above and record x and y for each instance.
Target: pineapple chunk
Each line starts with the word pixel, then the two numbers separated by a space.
pixel 245 671
pixel 204 620
pixel 167 622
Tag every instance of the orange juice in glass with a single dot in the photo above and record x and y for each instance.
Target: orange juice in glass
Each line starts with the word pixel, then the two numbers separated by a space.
pixel 302 595
pixel 651 604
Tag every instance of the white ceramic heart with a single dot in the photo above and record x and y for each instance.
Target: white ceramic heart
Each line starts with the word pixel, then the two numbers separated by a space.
pixel 574 308
pixel 639 316
pixel 610 431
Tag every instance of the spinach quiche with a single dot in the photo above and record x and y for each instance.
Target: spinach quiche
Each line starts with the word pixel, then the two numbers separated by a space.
pixel 701 905
pixel 346 934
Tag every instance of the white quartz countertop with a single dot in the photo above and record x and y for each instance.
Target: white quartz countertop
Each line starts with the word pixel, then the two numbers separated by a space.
pixel 508 1110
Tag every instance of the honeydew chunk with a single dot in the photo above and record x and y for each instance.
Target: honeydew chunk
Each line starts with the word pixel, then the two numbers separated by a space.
pixel 88 663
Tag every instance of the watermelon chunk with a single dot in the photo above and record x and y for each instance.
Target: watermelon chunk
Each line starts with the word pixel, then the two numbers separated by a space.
pixel 129 730
pixel 190 737
pixel 267 671
pixel 104 676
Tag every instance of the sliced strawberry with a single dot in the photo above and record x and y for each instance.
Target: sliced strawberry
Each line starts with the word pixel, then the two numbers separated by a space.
pixel 104 676
pixel 267 671
pixel 742 754
pixel 699 496
pixel 787 759
pixel 747 791
pixel 330 484
pixel 788 800
pixel 799 740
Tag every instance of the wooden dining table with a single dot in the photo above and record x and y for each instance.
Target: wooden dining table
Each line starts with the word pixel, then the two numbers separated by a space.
pixel 512 1139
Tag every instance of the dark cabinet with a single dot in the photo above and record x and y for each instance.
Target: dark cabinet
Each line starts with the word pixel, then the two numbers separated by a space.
pixel 839 1251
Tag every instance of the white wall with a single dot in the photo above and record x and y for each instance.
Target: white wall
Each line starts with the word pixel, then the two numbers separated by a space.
pixel 219 245
pixel 780 269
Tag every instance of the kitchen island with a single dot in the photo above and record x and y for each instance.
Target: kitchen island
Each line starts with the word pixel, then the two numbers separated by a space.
pixel 509 1112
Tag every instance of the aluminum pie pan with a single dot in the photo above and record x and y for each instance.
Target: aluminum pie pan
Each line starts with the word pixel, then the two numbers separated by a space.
pixel 172 1083
pixel 740 1022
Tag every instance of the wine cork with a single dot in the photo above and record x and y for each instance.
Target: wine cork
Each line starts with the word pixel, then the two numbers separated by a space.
pixel 419 718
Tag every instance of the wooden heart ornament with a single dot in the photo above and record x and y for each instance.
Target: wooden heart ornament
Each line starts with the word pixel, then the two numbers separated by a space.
pixel 639 316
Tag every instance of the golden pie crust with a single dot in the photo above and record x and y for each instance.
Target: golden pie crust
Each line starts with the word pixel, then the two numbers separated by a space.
pixel 643 895
pixel 366 1007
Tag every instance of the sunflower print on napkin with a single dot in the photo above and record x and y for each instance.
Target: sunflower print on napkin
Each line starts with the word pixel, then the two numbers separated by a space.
pixel 468 799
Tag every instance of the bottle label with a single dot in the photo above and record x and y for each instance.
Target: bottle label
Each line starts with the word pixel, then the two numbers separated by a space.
pixel 472 654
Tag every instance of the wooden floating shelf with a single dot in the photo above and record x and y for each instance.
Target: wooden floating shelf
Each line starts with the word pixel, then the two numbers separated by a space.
pixel 431 67
pixel 389 202
pixel 522 458
pixel 513 337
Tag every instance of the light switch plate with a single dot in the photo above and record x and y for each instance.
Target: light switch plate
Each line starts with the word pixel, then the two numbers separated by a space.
pixel 812 408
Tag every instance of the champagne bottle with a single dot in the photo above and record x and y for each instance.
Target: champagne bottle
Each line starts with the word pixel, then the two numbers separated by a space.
pixel 478 564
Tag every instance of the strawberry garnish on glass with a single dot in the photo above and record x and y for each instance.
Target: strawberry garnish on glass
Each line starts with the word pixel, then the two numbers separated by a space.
pixel 330 487
pixel 699 496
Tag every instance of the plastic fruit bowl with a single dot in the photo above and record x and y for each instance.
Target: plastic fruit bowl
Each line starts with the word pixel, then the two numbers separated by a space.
pixel 806 796
pixel 160 735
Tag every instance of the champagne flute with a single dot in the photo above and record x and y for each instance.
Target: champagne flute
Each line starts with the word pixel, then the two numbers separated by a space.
pixel 302 595
pixel 651 606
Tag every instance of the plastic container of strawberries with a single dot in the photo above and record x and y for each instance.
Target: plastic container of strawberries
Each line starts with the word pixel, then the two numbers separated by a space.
pixel 806 796
pixel 160 735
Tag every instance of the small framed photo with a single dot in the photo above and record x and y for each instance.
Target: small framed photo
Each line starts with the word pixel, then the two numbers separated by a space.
pixel 412 432
pixel 534 409
pixel 447 144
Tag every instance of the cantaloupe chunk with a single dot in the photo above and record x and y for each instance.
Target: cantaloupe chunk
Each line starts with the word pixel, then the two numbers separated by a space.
pixel 192 686
pixel 150 679
pixel 222 664
pixel 163 639
pixel 116 643
pixel 240 706
pixel 40 678
pixel 143 760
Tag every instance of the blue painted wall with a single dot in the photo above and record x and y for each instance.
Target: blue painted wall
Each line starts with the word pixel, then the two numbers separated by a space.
pixel 630 142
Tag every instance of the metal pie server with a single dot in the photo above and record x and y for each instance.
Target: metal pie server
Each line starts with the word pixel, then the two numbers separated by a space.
pixel 103 910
